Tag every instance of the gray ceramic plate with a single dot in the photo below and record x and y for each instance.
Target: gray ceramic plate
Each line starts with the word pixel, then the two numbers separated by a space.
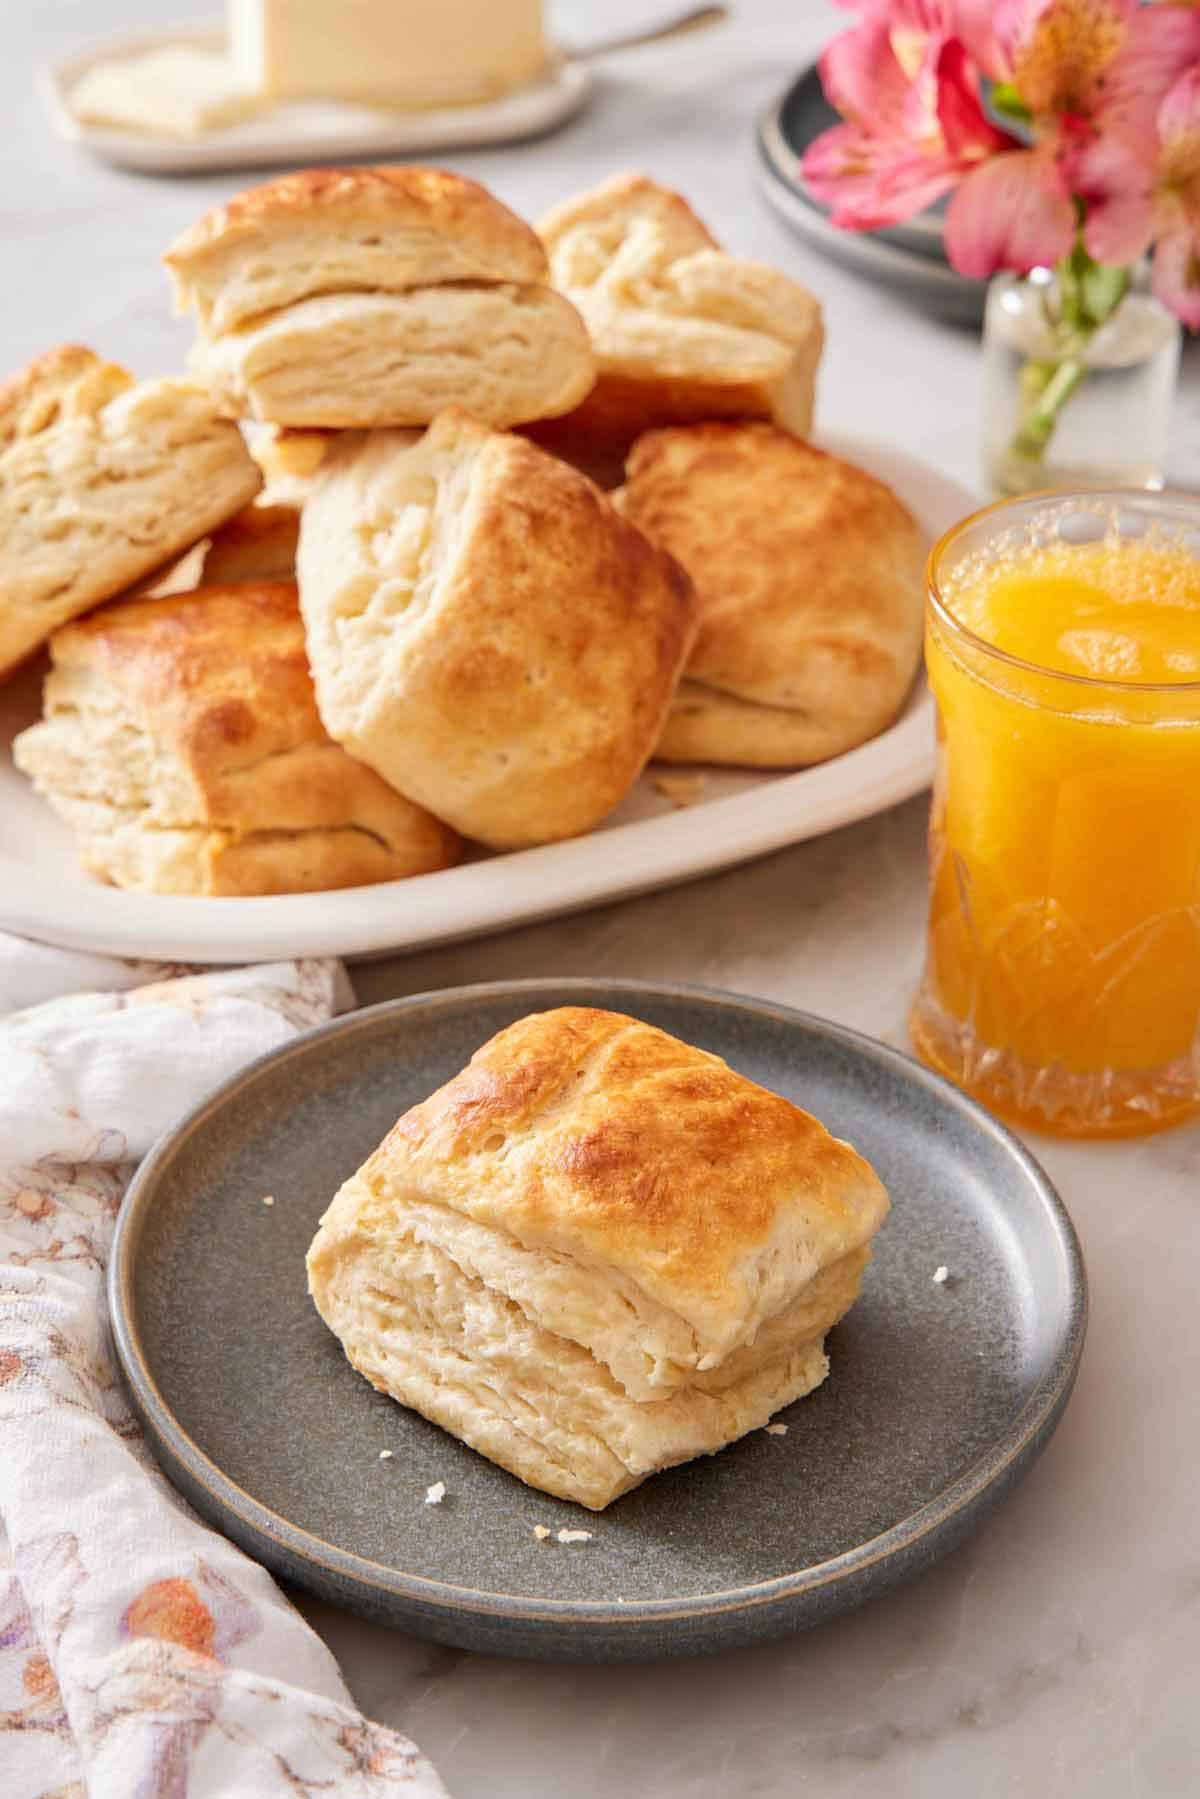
pixel 909 258
pixel 939 1398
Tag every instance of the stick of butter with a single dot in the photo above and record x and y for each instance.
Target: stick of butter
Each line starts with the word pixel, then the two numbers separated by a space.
pixel 404 53
pixel 177 92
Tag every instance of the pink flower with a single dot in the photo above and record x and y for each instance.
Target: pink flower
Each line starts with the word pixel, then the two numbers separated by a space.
pixel 1092 65
pixel 1134 200
pixel 1015 212
pixel 1091 77
pixel 915 121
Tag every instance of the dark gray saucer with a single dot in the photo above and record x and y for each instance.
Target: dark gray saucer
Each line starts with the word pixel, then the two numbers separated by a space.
pixel 940 1395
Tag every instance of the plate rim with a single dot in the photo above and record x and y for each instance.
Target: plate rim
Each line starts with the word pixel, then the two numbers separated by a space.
pixel 986 1478
pixel 531 110
pixel 376 920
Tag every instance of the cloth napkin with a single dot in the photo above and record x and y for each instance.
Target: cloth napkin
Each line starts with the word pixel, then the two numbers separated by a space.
pixel 141 1655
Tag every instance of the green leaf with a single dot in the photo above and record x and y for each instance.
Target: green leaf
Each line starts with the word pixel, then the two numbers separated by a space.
pixel 1101 290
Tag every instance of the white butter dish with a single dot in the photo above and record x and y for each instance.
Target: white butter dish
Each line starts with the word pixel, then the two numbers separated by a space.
pixel 301 131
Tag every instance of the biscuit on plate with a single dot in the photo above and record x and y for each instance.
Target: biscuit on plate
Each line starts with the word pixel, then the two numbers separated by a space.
pixel 485 630
pixel 596 1252
pixel 102 481
pixel 810 577
pixel 681 330
pixel 353 298
pixel 181 743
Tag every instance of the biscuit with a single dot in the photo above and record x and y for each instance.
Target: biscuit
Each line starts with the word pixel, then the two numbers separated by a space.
pixel 323 231
pixel 596 1252
pixel 810 577
pixel 681 330
pixel 485 630
pixel 182 744
pixel 102 481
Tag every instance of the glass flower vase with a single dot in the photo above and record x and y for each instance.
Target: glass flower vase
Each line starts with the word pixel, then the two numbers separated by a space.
pixel 1063 408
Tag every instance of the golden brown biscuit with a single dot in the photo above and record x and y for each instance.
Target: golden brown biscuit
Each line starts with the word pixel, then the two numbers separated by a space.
pixel 595 1252
pixel 369 230
pixel 102 481
pixel 810 574
pixel 682 331
pixel 181 741
pixel 485 630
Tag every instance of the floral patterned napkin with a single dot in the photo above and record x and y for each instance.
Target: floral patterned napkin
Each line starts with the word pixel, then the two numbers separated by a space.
pixel 141 1655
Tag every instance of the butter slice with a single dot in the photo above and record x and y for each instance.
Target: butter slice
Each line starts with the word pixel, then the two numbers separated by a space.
pixel 178 92
pixel 403 53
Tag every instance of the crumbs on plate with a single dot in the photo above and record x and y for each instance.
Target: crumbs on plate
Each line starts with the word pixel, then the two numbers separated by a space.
pixel 682 790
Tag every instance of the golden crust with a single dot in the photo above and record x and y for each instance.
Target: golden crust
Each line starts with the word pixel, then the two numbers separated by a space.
pixel 404 193
pixel 809 573
pixel 591 1134
pixel 215 686
pixel 520 695
pixel 335 230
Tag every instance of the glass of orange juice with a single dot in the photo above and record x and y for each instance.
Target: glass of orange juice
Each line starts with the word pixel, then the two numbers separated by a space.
pixel 1062 981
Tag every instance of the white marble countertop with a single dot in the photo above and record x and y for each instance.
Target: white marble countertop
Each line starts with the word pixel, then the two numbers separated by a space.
pixel 1056 1654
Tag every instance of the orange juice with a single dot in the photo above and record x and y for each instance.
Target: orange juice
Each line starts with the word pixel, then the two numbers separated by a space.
pixel 1063 975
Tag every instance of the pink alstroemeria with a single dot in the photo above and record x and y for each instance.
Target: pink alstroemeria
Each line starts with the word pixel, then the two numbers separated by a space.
pixel 915 120
pixel 1134 200
pixel 1091 66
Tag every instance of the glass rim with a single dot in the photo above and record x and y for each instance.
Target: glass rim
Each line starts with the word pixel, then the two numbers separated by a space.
pixel 1062 496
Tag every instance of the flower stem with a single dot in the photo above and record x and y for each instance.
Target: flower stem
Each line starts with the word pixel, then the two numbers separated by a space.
pixel 1086 295
pixel 1037 426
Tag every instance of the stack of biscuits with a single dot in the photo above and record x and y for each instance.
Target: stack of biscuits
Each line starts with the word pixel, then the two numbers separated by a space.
pixel 546 511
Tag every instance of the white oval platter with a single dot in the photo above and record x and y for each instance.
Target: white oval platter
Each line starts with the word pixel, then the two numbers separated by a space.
pixel 648 843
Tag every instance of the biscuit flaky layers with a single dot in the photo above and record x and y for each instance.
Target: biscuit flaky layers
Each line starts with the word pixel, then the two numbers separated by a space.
pixel 102 481
pixel 355 361
pixel 181 742
pixel 597 1251
pixel 355 298
pixel 485 630
pixel 681 330
pixel 810 577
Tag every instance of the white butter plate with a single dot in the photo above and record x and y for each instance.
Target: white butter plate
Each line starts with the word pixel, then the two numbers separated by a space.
pixel 311 131
pixel 646 844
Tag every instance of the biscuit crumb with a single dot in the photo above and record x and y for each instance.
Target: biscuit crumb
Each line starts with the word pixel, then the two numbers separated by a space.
pixel 268 1199
pixel 385 1455
pixel 574 1536
pixel 681 790
pixel 941 1275
pixel 776 1430
pixel 435 1494
pixel 541 1532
